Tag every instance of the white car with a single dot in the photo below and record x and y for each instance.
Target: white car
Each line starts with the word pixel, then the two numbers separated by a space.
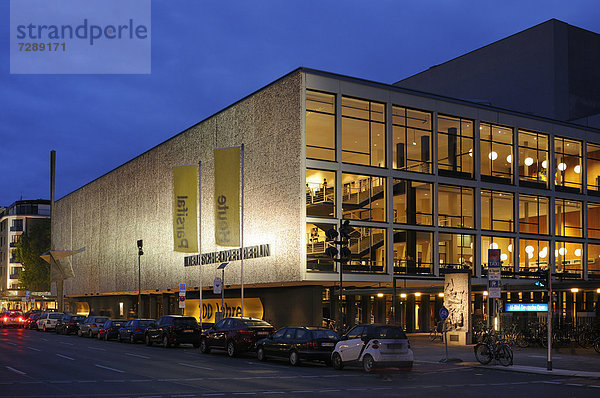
pixel 47 321
pixel 373 346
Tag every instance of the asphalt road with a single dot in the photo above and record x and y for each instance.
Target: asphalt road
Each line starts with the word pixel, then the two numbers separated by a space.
pixel 37 364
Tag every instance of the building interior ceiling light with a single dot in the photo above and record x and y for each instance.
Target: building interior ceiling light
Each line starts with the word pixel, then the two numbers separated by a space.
pixel 528 161
pixel 544 163
pixel 562 166
pixel 493 155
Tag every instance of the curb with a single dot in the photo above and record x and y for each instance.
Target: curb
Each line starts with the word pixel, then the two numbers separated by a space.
pixel 540 371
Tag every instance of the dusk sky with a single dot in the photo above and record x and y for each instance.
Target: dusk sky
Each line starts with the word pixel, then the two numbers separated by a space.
pixel 207 55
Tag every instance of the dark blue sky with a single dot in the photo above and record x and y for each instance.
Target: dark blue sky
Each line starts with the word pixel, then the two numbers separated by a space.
pixel 206 55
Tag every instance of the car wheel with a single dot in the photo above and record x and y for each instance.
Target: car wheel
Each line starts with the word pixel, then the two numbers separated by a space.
pixel 368 363
pixel 43 328
pixel 106 337
pixel 132 339
pixel 336 361
pixel 231 351
pixel 90 333
pixel 79 333
pixel 99 336
pixel 260 354
pixel 204 347
pixel 165 342
pixel 294 358
pixel 148 341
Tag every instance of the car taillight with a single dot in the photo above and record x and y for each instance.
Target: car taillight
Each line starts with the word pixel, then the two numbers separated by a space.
pixel 138 330
pixel 312 344
pixel 48 321
pixel 5 319
pixel 20 319
pixel 245 331
pixel 71 323
pixel 94 325
pixel 375 344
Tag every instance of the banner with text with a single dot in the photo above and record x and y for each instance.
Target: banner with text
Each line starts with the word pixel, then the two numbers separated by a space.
pixel 185 193
pixel 232 307
pixel 227 196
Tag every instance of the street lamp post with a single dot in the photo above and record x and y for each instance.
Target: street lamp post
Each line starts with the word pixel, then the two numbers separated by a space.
pixel 140 244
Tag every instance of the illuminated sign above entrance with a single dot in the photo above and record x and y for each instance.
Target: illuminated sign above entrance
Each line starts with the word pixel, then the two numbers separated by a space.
pixel 526 307
pixel 228 255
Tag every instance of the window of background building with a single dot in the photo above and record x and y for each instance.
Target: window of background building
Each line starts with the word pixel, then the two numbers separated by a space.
pixel 567 163
pixel 413 252
pixel 367 246
pixel 413 202
pixel 568 217
pixel 455 206
pixel 497 210
pixel 363 197
pixel 316 259
pixel 320 193
pixel 568 256
pixel 496 152
pixel 594 261
pixel 412 140
pixel 455 146
pixel 363 132
pixel 593 167
pixel 320 126
pixel 534 255
pixel 456 251
pixel 533 214
pixel 506 252
pixel 533 158
pixel 593 220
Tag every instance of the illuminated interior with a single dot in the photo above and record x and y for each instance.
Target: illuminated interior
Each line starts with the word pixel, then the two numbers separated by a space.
pixel 496 152
pixel 411 140
pixel 363 132
pixel 455 145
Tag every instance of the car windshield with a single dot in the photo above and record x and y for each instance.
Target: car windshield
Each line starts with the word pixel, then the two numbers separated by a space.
pixel 117 324
pixel 389 332
pixel 77 318
pixel 100 320
pixel 325 334
pixel 145 323
pixel 14 314
pixel 185 322
pixel 255 322
pixel 55 316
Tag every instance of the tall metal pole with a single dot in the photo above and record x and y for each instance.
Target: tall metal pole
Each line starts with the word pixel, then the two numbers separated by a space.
pixel 60 282
pixel 242 233
pixel 139 309
pixel 199 225
pixel 341 317
pixel 223 290
pixel 549 365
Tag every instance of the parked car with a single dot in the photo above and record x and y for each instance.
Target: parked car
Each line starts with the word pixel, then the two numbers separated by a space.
pixel 298 344
pixel 235 334
pixel 31 321
pixel 12 319
pixel 47 321
pixel 173 330
pixel 373 346
pixel 110 329
pixel 89 327
pixel 68 324
pixel 135 329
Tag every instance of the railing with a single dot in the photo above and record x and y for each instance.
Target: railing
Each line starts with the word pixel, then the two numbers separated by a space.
pixel 319 193
pixel 412 267
pixel 16 229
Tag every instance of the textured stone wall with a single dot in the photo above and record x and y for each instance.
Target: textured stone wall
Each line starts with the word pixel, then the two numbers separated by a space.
pixel 134 202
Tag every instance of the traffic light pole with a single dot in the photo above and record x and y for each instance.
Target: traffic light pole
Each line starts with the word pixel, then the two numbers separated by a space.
pixel 549 364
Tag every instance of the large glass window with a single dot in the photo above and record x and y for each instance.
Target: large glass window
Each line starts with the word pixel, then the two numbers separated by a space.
pixel 320 193
pixel 568 257
pixel 456 251
pixel 455 146
pixel 413 202
pixel 593 167
pixel 593 261
pixel 568 217
pixel 413 252
pixel 320 125
pixel 316 243
pixel 367 246
pixel 533 214
pixel 567 163
pixel 496 152
pixel 533 158
pixel 593 220
pixel 533 256
pixel 506 252
pixel 455 205
pixel 412 139
pixel 363 197
pixel 363 132
pixel 497 210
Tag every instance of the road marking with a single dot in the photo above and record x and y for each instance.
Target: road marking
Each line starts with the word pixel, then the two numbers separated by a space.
pixel 330 390
pixel 44 339
pixel 33 349
pixel 182 396
pixel 544 356
pixel 138 356
pixel 244 393
pixel 273 392
pixel 62 342
pixel 86 381
pixel 94 348
pixel 107 368
pixel 193 366
pixel 15 370
pixel 60 381
pixel 65 357
pixel 8 342
pixel 114 381
pixel 212 395
pixel 574 384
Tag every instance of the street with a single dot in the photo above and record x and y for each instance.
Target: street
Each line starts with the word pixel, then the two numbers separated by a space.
pixel 36 364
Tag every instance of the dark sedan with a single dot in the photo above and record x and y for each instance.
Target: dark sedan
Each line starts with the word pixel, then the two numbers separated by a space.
pixel 68 324
pixel 173 330
pixel 110 329
pixel 135 329
pixel 31 321
pixel 235 335
pixel 299 344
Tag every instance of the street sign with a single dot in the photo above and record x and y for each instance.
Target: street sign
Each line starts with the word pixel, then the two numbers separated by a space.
pixel 494 273
pixel 182 295
pixel 444 313
pixel 217 285
pixel 182 287
pixel 27 294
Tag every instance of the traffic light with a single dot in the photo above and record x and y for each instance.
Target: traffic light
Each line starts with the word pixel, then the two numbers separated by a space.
pixel 542 281
pixel 344 234
pixel 331 235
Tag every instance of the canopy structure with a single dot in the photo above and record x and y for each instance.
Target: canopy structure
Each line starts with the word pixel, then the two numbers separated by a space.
pixel 59 271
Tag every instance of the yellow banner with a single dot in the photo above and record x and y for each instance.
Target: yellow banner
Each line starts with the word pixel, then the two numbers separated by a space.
pixel 185 224
pixel 233 307
pixel 227 196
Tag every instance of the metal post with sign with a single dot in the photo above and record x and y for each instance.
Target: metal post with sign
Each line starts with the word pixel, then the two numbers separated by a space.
pixel 443 316
pixel 182 297
pixel 494 278
pixel 220 289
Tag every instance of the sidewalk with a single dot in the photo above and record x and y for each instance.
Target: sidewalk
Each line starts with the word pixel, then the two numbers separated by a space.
pixel 570 361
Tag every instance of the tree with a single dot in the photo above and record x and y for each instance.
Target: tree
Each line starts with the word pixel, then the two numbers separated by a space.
pixel 32 243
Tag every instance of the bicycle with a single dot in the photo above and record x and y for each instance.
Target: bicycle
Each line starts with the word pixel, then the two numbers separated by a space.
pixel 438 331
pixel 500 351
pixel 597 345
